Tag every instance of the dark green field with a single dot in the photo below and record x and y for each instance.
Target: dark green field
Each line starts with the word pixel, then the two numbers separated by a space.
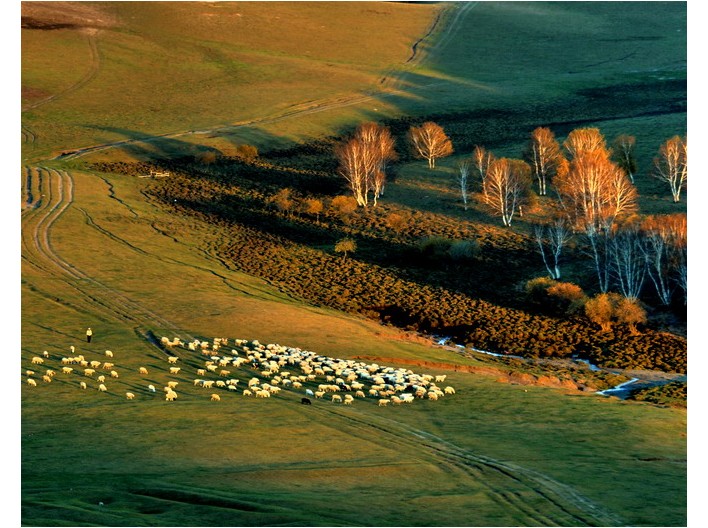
pixel 113 90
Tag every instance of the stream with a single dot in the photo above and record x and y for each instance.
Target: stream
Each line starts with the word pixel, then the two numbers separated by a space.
pixel 621 391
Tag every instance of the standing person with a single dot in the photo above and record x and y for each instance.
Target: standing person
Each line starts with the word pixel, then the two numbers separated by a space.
pixel 89 333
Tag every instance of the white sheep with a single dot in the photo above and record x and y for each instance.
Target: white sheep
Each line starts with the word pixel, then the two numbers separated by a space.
pixel 110 355
pixel 174 370
pixel 201 372
pixel 95 364
pixel 383 402
pixel 247 392
pixel 215 397
pixel 172 384
pixel 440 378
pixel 89 372
pixel 101 379
pixel 107 366
pixel 72 348
pixel 319 394
pixel 232 387
pixel 29 372
pixel 224 373
pixel 198 381
pixel 102 388
pixel 151 388
pixel 449 390
pixel 114 374
pixel 129 395
pixel 50 373
pixel 45 354
pixel 170 396
pixel 208 384
pixel 262 394
pixel 36 360
pixel 433 396
pixel 31 382
pixel 142 370
pixel 172 359
pixel 396 400
pixel 360 394
pixel 82 384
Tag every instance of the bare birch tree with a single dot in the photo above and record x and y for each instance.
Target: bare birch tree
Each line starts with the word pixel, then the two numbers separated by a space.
pixel 481 159
pixel 671 166
pixel 623 154
pixel 462 179
pixel 354 167
pixel 628 262
pixel 506 187
pixel 380 146
pixel 430 142
pixel 542 154
pixel 553 235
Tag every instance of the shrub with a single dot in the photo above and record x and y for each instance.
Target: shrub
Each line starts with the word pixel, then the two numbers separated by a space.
pixel 464 250
pixel 601 308
pixel 396 222
pixel 246 152
pixel 343 205
pixel 346 245
pixel 567 297
pixel 434 247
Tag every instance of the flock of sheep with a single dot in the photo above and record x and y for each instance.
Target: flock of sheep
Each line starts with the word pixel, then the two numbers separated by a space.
pixel 275 368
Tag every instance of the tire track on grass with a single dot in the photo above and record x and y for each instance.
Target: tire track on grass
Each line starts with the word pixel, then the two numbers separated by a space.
pixel 387 88
pixel 566 506
pixel 94 66
pixel 38 251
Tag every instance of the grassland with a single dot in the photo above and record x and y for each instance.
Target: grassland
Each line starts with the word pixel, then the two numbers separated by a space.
pixel 96 252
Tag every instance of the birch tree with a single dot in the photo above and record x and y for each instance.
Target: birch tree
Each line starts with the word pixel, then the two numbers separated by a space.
pixel 553 236
pixel 355 166
pixel 623 154
pixel 671 165
pixel 481 159
pixel 543 154
pixel 594 192
pixel 506 187
pixel 628 262
pixel 430 142
pixel 462 180
pixel 584 140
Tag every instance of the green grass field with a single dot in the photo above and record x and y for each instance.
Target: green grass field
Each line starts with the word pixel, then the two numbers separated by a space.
pixel 96 252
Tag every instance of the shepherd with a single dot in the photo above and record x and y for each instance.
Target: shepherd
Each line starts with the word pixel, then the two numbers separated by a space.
pixel 89 333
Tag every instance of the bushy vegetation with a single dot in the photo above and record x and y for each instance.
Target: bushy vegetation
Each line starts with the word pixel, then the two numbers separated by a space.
pixel 674 394
pixel 417 270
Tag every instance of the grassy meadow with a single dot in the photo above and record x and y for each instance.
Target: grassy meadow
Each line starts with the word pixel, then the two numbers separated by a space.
pixel 98 251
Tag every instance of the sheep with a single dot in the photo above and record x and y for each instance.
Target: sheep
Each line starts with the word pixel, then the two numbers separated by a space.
pixel 129 395
pixel 336 398
pixel 360 394
pixel 201 372
pixel 208 384
pixel 107 366
pixel 232 387
pixel 253 381
pixel 36 360
pixel 433 396
pixel 348 399
pixel 72 348
pixel 247 392
pixel 82 384
pixel 174 370
pixel 110 355
pixel 151 388
pixel 45 354
pixel 232 381
pixel 262 394
pixel 449 390
pixel 31 382
pixel 143 370
pixel 383 402
pixel 396 400
pixel 224 373
pixel 89 372
pixel 215 397
pixel 172 384
pixel 172 359
pixel 212 368
pixel 114 374
pixel 221 384
pixel 440 378
pixel 102 388
pixel 309 392
pixel 50 373
pixel 29 372
pixel 170 396
pixel 101 379
pixel 95 364
pixel 198 381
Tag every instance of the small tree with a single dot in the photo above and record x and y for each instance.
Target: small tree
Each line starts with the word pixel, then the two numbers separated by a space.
pixel 623 154
pixel 555 235
pixel 344 246
pixel 543 155
pixel 430 142
pixel 601 308
pixel 671 166
pixel 629 312
pixel 313 206
pixel 462 180
pixel 283 201
pixel 246 152
pixel 506 187
pixel 343 206
pixel 481 159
